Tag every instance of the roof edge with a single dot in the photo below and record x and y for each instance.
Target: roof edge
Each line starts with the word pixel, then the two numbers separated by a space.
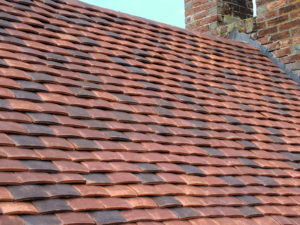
pixel 235 35
pixel 126 15
pixel 86 5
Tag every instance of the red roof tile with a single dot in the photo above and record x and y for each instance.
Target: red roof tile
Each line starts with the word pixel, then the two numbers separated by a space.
pixel 107 118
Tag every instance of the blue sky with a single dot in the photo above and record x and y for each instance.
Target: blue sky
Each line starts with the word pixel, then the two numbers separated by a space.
pixel 166 11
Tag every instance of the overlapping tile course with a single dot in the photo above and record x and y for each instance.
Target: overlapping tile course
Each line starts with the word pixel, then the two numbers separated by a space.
pixel 107 118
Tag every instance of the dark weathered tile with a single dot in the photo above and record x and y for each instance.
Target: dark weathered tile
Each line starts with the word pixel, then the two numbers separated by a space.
pixel 43 118
pixel 190 169
pixel 116 135
pixel 41 219
pixel 31 86
pixel 44 166
pixel 26 192
pixel 213 151
pixel 231 180
pixel 267 181
pixel 248 144
pixel 148 167
pixel 52 205
pixel 250 211
pixel 27 141
pixel 83 144
pixel 185 213
pixel 108 217
pixel 61 190
pixel 248 162
pixel 149 178
pixel 166 201
pixel 34 129
pixel 250 200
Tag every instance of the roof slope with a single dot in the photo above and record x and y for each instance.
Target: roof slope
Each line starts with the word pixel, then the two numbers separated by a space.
pixel 110 119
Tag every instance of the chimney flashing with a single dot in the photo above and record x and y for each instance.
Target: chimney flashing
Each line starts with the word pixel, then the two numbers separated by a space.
pixel 235 35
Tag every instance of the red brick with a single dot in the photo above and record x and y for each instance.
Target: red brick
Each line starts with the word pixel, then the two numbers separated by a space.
pixel 282 52
pixel 278 20
pixel 276 4
pixel 289 25
pixel 280 36
pixel 288 8
pixel 268 31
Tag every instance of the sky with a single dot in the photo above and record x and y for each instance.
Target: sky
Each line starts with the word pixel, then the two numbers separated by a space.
pixel 165 11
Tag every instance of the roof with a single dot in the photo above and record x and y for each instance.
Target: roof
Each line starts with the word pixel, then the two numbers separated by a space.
pixel 112 119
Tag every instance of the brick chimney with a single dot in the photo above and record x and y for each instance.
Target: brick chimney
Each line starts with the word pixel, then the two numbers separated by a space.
pixel 273 23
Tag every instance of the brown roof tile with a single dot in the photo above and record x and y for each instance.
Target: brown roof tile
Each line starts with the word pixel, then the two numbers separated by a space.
pixel 131 121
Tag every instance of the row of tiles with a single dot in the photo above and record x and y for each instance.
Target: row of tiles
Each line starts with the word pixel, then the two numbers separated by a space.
pixel 101 59
pixel 118 111
pixel 173 211
pixel 150 152
pixel 157 153
pixel 84 39
pixel 113 26
pixel 58 59
pixel 96 172
pixel 116 131
pixel 100 218
pixel 223 59
pixel 48 124
pixel 151 196
pixel 165 195
pixel 139 84
pixel 138 138
pixel 232 102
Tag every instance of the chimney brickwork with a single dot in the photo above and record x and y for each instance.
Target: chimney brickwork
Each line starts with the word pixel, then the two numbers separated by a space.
pixel 277 25
pixel 278 28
